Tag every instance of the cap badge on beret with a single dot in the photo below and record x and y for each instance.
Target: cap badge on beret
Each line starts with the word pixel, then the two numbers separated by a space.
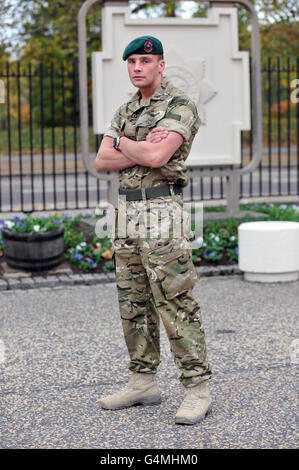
pixel 148 46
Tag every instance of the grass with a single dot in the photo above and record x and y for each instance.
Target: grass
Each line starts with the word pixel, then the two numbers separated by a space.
pixel 271 211
pixel 65 140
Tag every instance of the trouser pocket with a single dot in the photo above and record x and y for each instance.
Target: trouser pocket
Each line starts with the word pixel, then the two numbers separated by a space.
pixel 172 269
pixel 131 279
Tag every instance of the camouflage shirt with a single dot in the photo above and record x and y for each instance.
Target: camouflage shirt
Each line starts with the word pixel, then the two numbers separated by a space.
pixel 168 107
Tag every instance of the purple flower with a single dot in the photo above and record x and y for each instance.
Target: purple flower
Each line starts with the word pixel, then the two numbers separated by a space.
pixel 204 255
pixel 42 216
pixel 237 251
pixel 65 217
pixel 90 260
pixel 87 214
pixel 21 224
pixel 16 217
pixel 78 256
pixel 56 222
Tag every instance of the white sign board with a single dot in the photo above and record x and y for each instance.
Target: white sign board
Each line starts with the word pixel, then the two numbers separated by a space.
pixel 202 58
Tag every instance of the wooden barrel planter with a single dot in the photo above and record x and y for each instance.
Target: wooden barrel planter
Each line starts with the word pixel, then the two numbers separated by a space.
pixel 33 251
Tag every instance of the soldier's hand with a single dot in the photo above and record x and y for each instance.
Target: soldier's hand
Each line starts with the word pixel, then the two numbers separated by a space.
pixel 156 135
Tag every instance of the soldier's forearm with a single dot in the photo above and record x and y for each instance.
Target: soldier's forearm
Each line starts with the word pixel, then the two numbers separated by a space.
pixel 142 153
pixel 113 160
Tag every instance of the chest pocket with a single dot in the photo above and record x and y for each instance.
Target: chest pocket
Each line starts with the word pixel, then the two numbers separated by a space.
pixel 150 119
pixel 153 114
pixel 128 129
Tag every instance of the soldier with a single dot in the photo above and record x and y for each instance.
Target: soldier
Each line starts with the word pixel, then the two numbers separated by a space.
pixel 148 142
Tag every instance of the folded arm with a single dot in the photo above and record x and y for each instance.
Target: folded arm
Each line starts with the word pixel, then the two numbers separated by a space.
pixel 110 159
pixel 151 154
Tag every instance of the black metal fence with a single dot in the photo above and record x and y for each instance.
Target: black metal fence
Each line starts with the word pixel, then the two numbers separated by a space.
pixel 40 160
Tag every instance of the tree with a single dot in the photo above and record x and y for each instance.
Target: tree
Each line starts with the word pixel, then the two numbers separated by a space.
pixel 48 39
pixel 167 9
pixel 278 21
pixel 7 22
pixel 276 11
pixel 48 29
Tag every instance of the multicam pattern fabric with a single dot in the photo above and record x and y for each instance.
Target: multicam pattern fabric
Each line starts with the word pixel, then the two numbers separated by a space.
pixel 168 107
pixel 155 276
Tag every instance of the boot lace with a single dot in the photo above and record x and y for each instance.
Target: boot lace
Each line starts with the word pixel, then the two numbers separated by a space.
pixel 188 402
pixel 193 396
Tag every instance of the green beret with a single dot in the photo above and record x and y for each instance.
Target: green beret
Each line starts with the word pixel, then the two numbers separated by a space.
pixel 143 45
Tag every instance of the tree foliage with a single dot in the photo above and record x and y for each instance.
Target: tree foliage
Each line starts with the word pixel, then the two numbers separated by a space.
pixel 278 23
pixel 48 30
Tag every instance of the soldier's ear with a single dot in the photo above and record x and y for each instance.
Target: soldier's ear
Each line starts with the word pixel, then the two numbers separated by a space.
pixel 162 65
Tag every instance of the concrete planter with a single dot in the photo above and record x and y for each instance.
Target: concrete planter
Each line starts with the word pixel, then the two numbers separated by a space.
pixel 33 251
pixel 269 251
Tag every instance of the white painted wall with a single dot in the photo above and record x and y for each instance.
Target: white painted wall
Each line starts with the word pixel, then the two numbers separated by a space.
pixel 202 58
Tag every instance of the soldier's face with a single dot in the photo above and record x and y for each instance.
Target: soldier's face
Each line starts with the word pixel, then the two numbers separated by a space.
pixel 145 70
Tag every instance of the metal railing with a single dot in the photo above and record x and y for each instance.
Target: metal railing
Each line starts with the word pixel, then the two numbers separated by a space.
pixel 40 150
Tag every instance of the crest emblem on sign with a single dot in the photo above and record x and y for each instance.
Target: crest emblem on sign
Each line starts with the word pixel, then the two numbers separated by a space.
pixel 148 46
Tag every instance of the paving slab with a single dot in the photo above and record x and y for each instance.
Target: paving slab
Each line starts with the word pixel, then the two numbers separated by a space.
pixel 10 273
pixel 77 278
pixel 13 283
pixel 64 279
pixel 63 349
pixel 53 281
pixel 40 281
pixel 3 284
pixel 27 283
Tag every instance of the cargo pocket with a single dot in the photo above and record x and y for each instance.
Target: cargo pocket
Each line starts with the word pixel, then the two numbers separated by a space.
pixel 175 273
pixel 132 284
pixel 130 275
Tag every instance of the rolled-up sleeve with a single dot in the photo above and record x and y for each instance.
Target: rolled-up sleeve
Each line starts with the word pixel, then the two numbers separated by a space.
pixel 115 126
pixel 180 117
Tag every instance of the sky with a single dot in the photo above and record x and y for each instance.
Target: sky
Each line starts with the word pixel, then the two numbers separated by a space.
pixel 188 6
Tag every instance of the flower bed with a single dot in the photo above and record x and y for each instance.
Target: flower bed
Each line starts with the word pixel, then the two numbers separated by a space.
pixel 218 246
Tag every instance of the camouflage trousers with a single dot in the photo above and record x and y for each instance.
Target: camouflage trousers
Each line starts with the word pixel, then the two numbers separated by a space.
pixel 155 276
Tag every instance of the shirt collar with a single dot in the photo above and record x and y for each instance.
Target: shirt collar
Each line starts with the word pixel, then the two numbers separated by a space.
pixel 161 91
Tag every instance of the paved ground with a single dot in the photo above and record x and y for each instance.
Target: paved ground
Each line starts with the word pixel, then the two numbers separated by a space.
pixel 62 348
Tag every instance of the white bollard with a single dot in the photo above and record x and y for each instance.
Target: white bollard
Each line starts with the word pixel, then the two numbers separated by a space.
pixel 269 251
